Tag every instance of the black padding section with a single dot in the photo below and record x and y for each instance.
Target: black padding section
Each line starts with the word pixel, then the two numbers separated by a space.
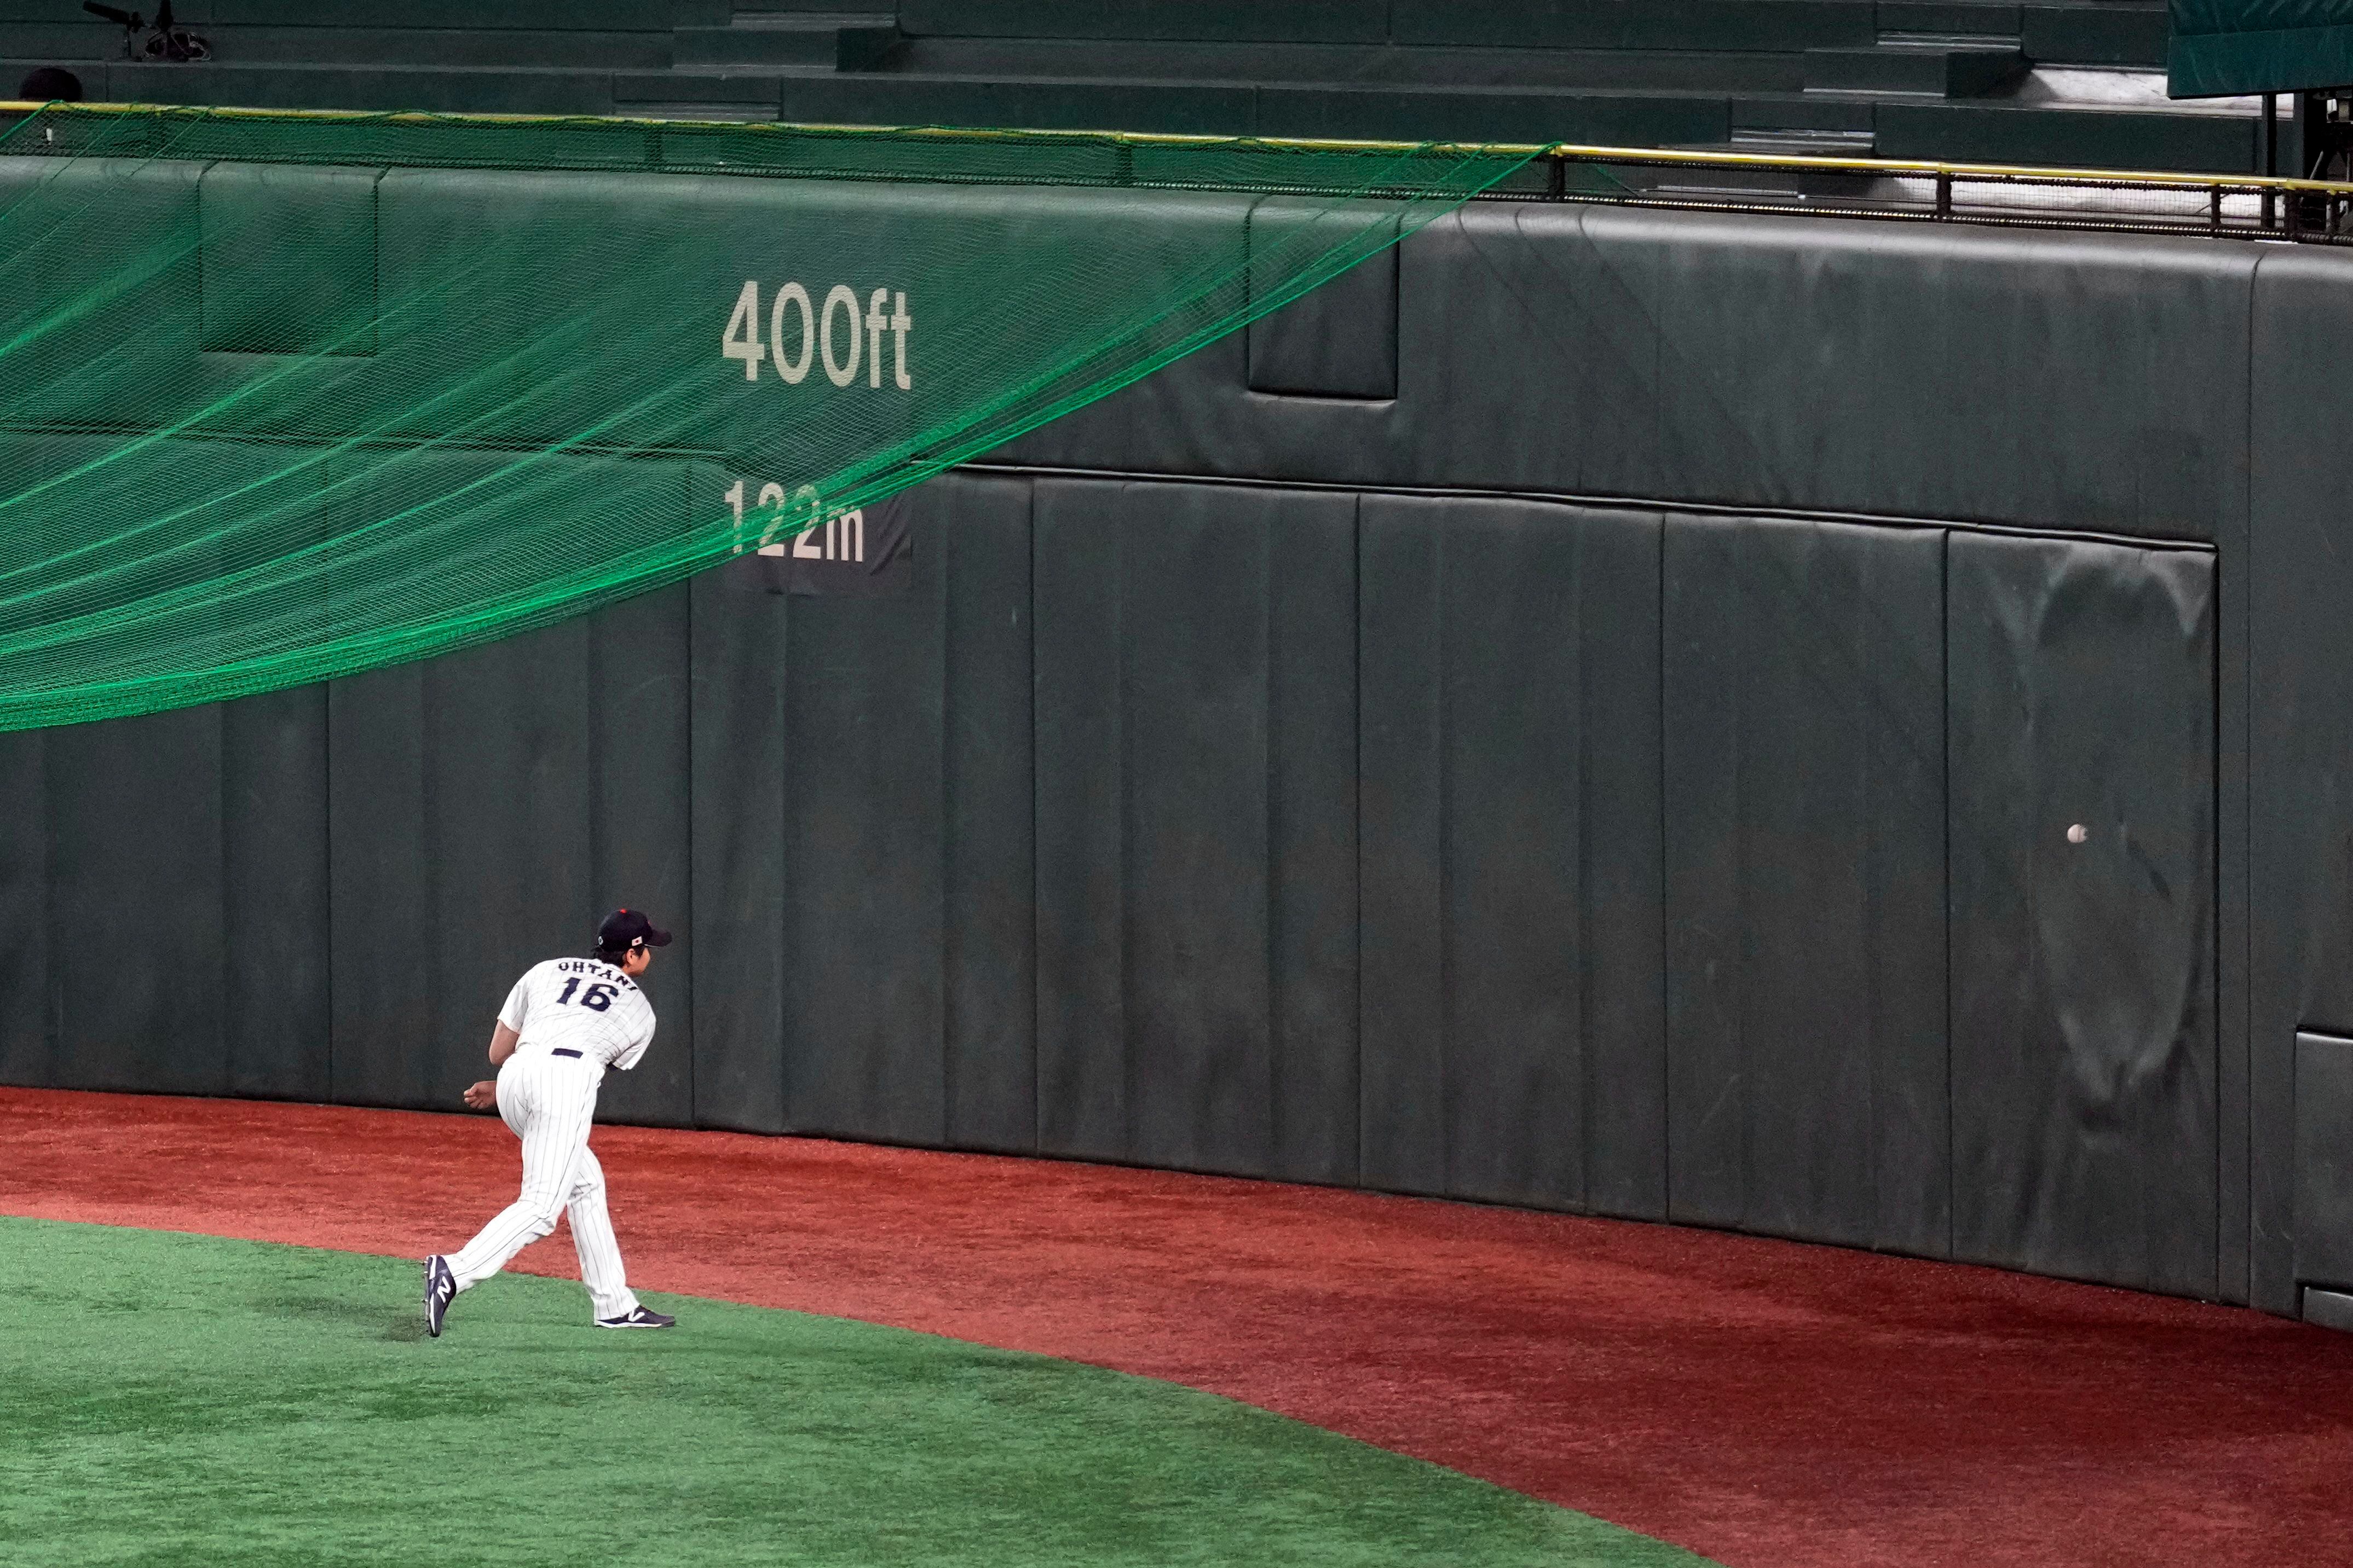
pixel 1512 1032
pixel 289 259
pixel 1804 779
pixel 380 879
pixel 738 871
pixel 1194 743
pixel 979 532
pixel 2324 1161
pixel 275 911
pixel 2082 692
pixel 134 811
pixel 1340 338
pixel 1082 949
pixel 637 823
pixel 852 959
pixel 27 1053
pixel 863 896
pixel 2300 683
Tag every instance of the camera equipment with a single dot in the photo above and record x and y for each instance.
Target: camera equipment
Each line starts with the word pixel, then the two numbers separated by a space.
pixel 161 42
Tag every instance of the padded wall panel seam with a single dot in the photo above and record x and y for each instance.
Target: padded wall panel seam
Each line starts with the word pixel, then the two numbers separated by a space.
pixel 1194 759
pixel 989 1009
pixel 1506 961
pixel 1804 720
pixel 2300 747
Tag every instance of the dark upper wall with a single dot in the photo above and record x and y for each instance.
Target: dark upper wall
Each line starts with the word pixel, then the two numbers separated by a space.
pixel 2037 379
pixel 1676 837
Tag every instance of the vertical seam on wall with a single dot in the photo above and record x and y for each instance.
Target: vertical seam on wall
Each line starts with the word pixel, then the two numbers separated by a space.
pixel 1658 758
pixel 426 816
pixel 2217 906
pixel 228 923
pixel 327 869
pixel 1122 805
pixel 2244 1134
pixel 1945 747
pixel 693 1102
pixel 1581 548
pixel 947 942
pixel 1029 611
pixel 1270 937
pixel 1441 693
pixel 1037 897
pixel 785 861
pixel 1357 816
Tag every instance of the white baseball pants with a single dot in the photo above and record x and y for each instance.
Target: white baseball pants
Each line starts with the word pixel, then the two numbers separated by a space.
pixel 549 1102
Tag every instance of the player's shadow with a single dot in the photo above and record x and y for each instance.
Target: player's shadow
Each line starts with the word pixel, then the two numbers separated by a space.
pixel 401 1325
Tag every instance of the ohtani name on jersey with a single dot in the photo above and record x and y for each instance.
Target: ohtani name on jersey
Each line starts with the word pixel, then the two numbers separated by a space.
pixel 590 966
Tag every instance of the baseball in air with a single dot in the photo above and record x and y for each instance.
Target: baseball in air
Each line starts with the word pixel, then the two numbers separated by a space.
pixel 2078 833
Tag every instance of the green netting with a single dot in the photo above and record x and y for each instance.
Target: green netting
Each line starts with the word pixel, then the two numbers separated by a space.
pixel 290 396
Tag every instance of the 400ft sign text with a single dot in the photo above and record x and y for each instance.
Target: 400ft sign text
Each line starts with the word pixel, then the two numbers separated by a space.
pixel 836 335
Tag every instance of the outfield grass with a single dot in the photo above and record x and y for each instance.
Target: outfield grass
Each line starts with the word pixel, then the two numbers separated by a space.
pixel 179 1399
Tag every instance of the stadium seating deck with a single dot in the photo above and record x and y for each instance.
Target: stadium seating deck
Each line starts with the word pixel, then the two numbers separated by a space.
pixel 1954 80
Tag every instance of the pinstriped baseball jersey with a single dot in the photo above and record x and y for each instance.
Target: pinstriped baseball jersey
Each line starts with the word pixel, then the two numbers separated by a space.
pixel 580 1004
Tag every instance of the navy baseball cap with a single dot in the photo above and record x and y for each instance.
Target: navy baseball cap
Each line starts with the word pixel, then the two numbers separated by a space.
pixel 629 928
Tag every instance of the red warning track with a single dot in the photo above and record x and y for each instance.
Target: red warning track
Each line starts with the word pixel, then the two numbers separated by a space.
pixel 1763 1403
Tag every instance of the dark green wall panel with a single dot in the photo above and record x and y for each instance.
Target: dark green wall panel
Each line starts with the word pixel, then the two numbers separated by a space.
pixel 863 899
pixel 979 532
pixel 738 870
pixel 276 912
pixel 28 1040
pixel 2301 747
pixel 134 811
pixel 1194 650
pixel 1510 1020
pixel 2084 1071
pixel 1340 338
pixel 1084 1095
pixel 859 967
pixel 638 828
pixel 1804 787
pixel 380 883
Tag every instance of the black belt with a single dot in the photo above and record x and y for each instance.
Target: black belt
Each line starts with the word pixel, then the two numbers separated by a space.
pixel 564 1051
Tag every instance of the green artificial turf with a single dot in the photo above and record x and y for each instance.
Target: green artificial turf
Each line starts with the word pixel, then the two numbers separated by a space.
pixel 179 1399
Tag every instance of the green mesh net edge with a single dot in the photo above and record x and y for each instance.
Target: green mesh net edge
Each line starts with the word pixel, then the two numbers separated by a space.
pixel 285 396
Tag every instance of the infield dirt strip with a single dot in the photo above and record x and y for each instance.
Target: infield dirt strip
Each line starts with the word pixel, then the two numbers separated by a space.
pixel 1759 1402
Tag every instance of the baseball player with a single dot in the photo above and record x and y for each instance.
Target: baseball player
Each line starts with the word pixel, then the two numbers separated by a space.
pixel 565 1022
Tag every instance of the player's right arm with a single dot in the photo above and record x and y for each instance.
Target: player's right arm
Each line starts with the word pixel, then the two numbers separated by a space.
pixel 484 1096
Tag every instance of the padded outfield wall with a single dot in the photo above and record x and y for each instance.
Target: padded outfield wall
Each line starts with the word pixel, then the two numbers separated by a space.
pixel 1584 712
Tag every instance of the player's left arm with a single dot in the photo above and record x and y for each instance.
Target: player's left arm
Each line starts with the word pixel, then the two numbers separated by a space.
pixel 644 1017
